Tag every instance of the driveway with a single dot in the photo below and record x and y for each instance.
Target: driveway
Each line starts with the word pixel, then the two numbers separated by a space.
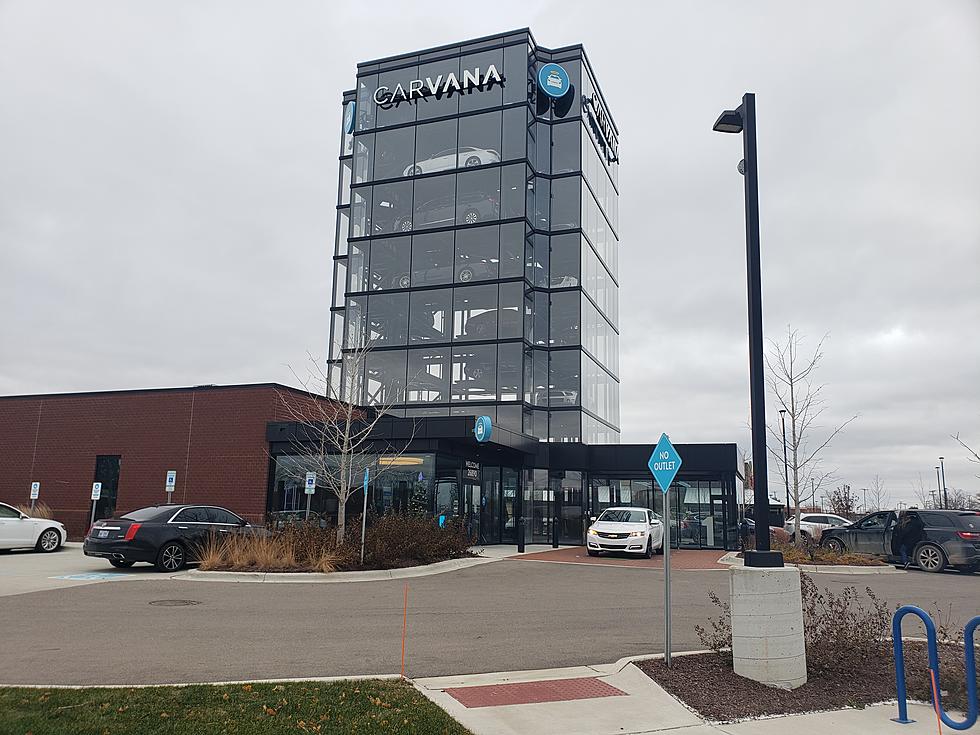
pixel 504 616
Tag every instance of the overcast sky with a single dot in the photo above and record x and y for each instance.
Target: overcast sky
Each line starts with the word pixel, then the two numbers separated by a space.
pixel 168 173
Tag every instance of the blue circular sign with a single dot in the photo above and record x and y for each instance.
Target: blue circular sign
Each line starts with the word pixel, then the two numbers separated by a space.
pixel 483 428
pixel 349 117
pixel 553 80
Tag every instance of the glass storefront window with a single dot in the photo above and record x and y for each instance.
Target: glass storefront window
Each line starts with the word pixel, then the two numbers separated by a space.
pixel 435 202
pixel 430 316
pixel 475 312
pixel 390 265
pixel 477 254
pixel 474 373
pixel 388 319
pixel 477 196
pixel 394 153
pixel 384 377
pixel 432 259
pixel 392 210
pixel 428 375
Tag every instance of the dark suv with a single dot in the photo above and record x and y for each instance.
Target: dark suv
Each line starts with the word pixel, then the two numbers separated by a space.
pixel 950 538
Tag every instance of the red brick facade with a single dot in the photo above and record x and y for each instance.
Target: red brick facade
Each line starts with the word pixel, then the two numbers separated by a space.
pixel 213 436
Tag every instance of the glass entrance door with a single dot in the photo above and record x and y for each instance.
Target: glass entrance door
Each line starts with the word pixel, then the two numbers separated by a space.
pixel 472 509
pixel 490 507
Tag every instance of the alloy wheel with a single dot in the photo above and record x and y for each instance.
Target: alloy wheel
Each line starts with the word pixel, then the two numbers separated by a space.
pixel 472 161
pixel 471 217
pixel 49 540
pixel 172 558
pixel 930 558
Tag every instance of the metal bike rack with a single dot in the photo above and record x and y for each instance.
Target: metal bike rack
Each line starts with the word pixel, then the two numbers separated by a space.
pixel 971 668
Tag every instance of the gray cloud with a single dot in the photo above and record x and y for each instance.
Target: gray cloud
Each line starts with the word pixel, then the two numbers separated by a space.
pixel 168 175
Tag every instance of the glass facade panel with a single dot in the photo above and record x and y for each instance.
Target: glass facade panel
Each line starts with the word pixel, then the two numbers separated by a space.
pixel 565 204
pixel 565 318
pixel 432 259
pixel 511 249
pixel 388 319
pixel 564 384
pixel 565 260
pixel 435 202
pixel 479 139
pixel 402 110
pixel 475 313
pixel 566 148
pixel 513 185
pixel 440 102
pixel 390 263
pixel 474 373
pixel 565 426
pixel 485 95
pixel 392 210
pixel 384 377
pixel 510 317
pixel 477 196
pixel 428 375
pixel 394 153
pixel 509 372
pixel 435 147
pixel 430 316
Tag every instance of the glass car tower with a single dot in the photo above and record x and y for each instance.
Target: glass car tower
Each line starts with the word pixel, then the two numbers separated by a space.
pixel 476 244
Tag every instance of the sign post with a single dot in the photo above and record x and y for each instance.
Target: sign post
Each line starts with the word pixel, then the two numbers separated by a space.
pixel 35 493
pixel 664 464
pixel 96 494
pixel 364 514
pixel 310 489
pixel 171 484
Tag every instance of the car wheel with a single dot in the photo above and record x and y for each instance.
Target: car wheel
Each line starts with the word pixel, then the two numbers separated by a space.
pixel 403 281
pixel 465 275
pixel 471 217
pixel 416 170
pixel 648 554
pixel 121 563
pixel 836 545
pixel 405 225
pixel 171 558
pixel 930 558
pixel 593 553
pixel 48 541
pixel 660 549
pixel 472 161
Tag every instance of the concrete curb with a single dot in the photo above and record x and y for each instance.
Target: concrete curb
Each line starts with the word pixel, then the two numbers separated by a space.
pixel 731 559
pixel 321 679
pixel 379 575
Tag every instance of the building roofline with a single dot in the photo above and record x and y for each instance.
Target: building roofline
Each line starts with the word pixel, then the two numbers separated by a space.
pixel 177 389
pixel 447 47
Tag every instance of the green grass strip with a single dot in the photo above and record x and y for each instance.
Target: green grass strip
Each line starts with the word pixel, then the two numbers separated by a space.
pixel 362 707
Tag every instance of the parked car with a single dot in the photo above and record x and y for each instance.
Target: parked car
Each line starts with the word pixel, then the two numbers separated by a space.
pixel 633 530
pixel 22 531
pixel 467 156
pixel 167 536
pixel 812 525
pixel 950 538
pixel 472 207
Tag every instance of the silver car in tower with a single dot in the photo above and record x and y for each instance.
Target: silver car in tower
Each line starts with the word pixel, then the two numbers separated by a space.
pixel 464 157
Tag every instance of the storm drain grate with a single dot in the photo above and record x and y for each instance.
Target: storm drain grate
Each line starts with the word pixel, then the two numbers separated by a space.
pixel 175 603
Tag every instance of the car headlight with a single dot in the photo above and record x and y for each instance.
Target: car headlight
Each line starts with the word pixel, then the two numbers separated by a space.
pixel 593 532
pixel 634 534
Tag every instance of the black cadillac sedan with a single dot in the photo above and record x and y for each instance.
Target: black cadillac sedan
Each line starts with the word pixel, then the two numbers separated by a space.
pixel 167 536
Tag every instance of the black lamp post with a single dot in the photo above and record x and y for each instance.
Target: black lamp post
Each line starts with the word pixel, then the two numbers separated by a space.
pixel 782 420
pixel 742 120
pixel 939 486
pixel 942 468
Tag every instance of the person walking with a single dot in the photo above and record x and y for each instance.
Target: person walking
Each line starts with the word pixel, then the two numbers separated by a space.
pixel 906 536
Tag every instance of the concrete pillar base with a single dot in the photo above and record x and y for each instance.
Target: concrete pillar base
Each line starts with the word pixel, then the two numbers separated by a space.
pixel 767 625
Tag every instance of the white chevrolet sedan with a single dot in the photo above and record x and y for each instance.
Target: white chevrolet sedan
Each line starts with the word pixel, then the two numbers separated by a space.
pixel 21 531
pixel 633 530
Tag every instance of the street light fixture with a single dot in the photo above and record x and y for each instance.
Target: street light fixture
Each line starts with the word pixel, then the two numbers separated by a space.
pixel 742 120
pixel 782 420
pixel 942 467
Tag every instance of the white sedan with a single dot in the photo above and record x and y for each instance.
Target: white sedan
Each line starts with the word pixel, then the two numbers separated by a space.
pixel 633 530
pixel 812 525
pixel 467 156
pixel 21 531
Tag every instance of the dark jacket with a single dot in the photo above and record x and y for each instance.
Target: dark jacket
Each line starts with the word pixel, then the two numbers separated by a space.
pixel 908 533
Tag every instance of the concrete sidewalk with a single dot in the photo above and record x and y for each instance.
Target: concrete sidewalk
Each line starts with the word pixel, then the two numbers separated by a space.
pixel 620 700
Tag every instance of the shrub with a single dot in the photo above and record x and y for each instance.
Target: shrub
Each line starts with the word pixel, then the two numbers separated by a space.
pixel 719 638
pixel 298 548
pixel 41 510
pixel 408 539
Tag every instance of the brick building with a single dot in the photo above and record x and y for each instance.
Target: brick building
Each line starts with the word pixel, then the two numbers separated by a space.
pixel 214 437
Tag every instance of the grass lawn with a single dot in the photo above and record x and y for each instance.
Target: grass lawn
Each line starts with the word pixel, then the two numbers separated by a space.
pixel 363 707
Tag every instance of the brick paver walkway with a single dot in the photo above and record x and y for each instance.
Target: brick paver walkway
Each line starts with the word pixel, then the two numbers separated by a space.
pixel 532 692
pixel 679 558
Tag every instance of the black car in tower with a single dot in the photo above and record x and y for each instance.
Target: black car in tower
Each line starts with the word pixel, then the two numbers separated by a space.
pixel 167 536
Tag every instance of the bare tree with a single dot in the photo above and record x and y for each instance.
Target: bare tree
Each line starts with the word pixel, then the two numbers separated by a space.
pixel 971 452
pixel 791 380
pixel 842 502
pixel 878 497
pixel 923 495
pixel 335 440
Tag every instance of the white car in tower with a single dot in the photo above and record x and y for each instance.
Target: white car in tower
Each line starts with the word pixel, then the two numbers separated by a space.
pixel 626 529
pixel 465 157
pixel 21 531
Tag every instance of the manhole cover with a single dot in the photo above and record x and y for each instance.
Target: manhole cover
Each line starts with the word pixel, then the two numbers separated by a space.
pixel 175 603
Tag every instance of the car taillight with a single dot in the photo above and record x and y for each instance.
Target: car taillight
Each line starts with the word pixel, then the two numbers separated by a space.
pixel 969 535
pixel 131 532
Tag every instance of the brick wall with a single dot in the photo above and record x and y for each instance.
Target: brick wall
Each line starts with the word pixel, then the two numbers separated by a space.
pixel 214 437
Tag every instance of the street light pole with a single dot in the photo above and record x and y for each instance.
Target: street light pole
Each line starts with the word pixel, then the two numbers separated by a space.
pixel 939 486
pixel 782 419
pixel 942 466
pixel 742 120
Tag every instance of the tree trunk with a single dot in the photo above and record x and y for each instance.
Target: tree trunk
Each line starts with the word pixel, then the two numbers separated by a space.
pixel 341 519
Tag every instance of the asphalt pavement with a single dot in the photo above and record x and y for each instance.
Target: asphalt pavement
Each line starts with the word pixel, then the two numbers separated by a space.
pixel 504 616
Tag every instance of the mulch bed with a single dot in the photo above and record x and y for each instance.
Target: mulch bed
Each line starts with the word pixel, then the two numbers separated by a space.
pixel 707 684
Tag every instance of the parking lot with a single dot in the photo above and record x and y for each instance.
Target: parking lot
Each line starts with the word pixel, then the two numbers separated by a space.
pixel 71 620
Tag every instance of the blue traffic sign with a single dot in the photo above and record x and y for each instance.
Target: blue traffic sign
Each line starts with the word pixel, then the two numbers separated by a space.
pixel 664 463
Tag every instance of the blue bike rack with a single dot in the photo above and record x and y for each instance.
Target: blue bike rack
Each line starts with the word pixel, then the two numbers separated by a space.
pixel 971 668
